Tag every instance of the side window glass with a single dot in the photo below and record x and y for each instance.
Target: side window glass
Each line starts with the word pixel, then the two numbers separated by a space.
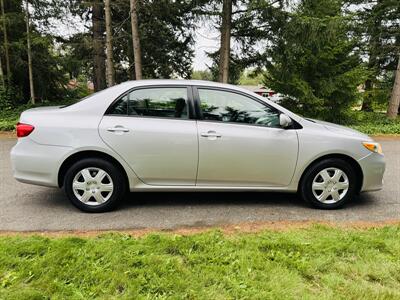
pixel 159 102
pixel 120 107
pixel 226 106
pixel 153 102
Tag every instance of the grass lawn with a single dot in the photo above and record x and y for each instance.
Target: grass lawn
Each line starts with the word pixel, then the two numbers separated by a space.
pixel 313 263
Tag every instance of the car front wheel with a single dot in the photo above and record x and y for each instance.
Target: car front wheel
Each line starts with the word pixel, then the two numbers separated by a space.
pixel 329 184
pixel 94 185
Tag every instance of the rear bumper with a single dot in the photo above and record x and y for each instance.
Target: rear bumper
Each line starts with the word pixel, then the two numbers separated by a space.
pixel 373 167
pixel 35 163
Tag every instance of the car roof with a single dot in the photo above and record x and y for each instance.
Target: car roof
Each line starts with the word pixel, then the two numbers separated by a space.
pixel 134 83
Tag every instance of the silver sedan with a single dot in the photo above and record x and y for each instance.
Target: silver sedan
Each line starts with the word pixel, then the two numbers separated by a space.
pixel 177 135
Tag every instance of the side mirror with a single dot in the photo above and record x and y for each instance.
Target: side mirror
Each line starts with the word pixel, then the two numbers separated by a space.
pixel 285 121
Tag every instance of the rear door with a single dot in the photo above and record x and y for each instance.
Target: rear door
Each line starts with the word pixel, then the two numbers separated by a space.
pixel 241 142
pixel 151 129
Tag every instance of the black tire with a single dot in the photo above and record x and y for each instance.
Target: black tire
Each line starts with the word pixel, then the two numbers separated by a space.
pixel 306 183
pixel 118 180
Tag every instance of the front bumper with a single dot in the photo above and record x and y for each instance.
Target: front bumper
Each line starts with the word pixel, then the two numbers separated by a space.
pixel 373 168
pixel 35 163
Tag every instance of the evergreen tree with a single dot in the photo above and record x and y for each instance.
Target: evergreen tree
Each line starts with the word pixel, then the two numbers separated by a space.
pixel 252 23
pixel 379 25
pixel 49 80
pixel 315 61
pixel 166 32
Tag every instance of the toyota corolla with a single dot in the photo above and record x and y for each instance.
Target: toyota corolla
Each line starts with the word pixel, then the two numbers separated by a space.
pixel 177 135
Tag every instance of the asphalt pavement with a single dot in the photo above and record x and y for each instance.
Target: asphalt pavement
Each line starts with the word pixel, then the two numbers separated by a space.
pixel 26 207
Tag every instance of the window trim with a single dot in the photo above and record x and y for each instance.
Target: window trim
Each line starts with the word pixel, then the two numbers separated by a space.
pixel 199 112
pixel 189 93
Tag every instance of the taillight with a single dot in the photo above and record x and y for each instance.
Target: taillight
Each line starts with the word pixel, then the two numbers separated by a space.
pixel 24 129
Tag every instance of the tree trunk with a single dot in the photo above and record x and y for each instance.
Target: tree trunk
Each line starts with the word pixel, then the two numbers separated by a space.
pixel 99 66
pixel 393 107
pixel 367 101
pixel 109 46
pixel 28 41
pixel 7 56
pixel 2 76
pixel 137 52
pixel 224 52
pixel 131 69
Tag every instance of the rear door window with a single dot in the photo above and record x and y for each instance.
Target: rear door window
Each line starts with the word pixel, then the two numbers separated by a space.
pixel 168 102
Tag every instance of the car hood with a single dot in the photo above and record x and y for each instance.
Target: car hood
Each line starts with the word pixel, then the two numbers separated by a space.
pixel 339 129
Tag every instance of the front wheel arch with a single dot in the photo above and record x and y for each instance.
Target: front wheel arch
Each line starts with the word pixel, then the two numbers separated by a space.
pixel 355 165
pixel 88 154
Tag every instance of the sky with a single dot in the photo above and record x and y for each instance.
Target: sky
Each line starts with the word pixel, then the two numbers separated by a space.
pixel 205 40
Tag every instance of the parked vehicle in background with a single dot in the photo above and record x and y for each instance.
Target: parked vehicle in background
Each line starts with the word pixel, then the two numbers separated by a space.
pixel 276 98
pixel 177 135
pixel 259 90
pixel 264 92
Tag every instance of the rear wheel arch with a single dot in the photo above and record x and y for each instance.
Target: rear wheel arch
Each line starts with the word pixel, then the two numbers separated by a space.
pixel 68 162
pixel 353 163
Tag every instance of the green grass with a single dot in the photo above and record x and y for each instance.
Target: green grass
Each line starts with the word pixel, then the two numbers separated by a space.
pixel 314 263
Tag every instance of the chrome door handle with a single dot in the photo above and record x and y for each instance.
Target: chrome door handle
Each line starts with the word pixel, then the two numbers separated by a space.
pixel 211 134
pixel 118 129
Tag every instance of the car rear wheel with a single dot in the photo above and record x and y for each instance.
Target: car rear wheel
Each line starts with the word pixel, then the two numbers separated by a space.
pixel 329 184
pixel 94 185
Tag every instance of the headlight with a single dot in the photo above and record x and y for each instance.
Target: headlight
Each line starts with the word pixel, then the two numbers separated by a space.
pixel 374 147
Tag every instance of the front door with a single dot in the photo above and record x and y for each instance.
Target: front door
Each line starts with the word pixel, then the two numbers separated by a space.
pixel 241 142
pixel 151 130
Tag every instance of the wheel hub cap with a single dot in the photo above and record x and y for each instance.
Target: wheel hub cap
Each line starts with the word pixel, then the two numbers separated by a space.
pixel 92 186
pixel 330 185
